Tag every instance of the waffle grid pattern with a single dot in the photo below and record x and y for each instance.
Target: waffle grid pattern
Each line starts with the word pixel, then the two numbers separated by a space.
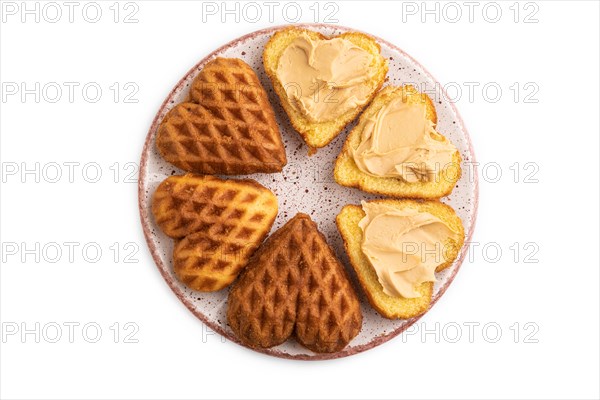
pixel 219 224
pixel 294 284
pixel 227 127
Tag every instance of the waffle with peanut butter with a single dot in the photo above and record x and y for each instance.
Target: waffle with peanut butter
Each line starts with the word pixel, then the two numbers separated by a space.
pixel 323 82
pixel 393 306
pixel 414 178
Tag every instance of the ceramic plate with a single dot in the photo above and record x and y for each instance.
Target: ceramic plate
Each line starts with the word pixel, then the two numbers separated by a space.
pixel 306 184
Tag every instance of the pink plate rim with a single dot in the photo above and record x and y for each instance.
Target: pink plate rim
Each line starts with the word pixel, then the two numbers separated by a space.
pixel 145 217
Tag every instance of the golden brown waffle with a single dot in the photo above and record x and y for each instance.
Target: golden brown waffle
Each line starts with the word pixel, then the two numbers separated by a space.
pixel 227 127
pixel 295 284
pixel 220 224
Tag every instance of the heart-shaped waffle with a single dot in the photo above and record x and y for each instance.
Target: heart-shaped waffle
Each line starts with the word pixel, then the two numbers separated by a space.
pixel 220 223
pixel 318 103
pixel 227 127
pixel 294 284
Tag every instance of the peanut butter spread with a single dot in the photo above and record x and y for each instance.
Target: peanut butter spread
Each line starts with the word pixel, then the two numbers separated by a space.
pixel 404 246
pixel 325 78
pixel 399 141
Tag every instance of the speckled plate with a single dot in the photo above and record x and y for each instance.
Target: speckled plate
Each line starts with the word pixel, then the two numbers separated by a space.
pixel 306 184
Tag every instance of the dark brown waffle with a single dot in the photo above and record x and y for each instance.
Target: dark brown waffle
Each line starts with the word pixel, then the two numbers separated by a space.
pixel 227 126
pixel 295 284
pixel 220 224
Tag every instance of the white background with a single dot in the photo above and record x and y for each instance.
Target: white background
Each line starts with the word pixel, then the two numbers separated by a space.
pixel 175 356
